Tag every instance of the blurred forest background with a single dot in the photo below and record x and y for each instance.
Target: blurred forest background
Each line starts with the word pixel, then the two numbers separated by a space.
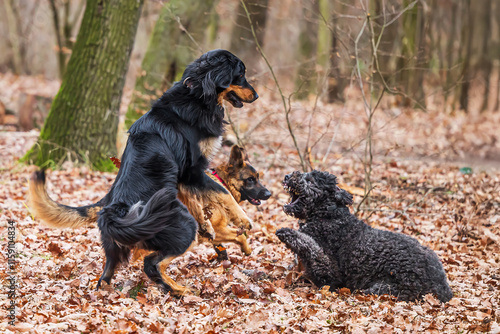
pixel 421 46
pixel 311 60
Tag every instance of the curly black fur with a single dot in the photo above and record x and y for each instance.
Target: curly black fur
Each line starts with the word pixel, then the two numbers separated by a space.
pixel 339 250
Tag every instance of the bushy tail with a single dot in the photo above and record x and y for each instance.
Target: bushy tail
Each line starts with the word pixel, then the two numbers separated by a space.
pixel 163 212
pixel 55 214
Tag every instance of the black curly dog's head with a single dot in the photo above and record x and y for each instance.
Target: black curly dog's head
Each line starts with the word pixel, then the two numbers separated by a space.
pixel 219 75
pixel 314 194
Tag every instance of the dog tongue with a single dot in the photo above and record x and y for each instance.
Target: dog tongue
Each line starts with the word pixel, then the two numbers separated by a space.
pixel 255 201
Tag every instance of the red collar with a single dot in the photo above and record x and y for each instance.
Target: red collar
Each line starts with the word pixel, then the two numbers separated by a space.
pixel 214 173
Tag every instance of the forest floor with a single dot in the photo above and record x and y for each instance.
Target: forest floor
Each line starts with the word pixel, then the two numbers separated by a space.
pixel 436 178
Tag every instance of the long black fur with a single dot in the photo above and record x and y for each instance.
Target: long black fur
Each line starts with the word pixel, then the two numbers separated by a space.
pixel 339 250
pixel 162 151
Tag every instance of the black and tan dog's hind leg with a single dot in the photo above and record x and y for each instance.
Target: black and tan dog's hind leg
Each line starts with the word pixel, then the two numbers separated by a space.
pixel 155 266
pixel 162 225
pixel 318 266
pixel 114 256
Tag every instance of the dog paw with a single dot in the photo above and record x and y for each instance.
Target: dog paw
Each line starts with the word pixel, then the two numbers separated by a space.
pixel 243 222
pixel 206 230
pixel 286 235
pixel 246 249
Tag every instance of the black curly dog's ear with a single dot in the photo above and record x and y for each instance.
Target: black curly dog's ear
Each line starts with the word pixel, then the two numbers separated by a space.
pixel 343 197
pixel 329 183
pixel 220 76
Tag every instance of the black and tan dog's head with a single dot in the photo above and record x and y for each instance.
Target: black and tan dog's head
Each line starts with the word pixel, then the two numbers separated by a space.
pixel 219 75
pixel 241 178
pixel 314 193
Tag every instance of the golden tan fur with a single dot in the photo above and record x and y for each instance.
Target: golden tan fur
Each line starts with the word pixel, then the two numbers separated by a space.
pixel 223 209
pixel 53 214
pixel 244 94
pixel 209 147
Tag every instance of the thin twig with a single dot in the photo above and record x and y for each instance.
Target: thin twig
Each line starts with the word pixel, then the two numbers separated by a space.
pixel 364 198
pixel 287 109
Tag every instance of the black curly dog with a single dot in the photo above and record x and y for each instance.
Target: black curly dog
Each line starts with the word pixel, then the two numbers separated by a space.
pixel 339 250
pixel 169 146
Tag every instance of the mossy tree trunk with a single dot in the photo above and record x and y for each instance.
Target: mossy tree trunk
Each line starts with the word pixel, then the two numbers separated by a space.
pixel 307 78
pixel 242 41
pixel 83 120
pixel 485 64
pixel 324 46
pixel 466 75
pixel 177 37
pixel 411 62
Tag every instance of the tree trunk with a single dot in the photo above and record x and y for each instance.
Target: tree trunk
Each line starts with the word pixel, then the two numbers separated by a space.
pixel 496 14
pixel 468 33
pixel 306 80
pixel 324 46
pixel 485 62
pixel 242 40
pixel 283 56
pixel 82 122
pixel 15 34
pixel 57 29
pixel 450 50
pixel 176 39
pixel 411 76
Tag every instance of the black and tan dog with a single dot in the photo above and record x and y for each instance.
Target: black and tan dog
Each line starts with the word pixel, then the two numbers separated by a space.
pixel 168 148
pixel 221 210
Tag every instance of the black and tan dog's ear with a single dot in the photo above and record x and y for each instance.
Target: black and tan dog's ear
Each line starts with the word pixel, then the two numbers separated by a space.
pixel 189 82
pixel 237 157
pixel 220 76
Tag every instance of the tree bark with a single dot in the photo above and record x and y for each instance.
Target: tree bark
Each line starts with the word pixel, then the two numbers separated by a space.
pixel 82 122
pixel 242 40
pixel 57 30
pixel 411 76
pixel 307 79
pixel 468 33
pixel 283 56
pixel 176 39
pixel 450 50
pixel 324 46
pixel 485 63
pixel 15 34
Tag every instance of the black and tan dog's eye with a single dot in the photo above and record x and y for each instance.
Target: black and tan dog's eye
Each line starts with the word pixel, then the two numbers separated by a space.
pixel 251 179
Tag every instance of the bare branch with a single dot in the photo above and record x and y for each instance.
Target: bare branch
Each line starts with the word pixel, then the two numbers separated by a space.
pixel 287 108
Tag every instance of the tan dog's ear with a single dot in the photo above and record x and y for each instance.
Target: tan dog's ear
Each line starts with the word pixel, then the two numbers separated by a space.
pixel 237 156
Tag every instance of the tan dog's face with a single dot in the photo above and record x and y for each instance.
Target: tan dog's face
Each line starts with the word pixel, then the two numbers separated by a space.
pixel 245 178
